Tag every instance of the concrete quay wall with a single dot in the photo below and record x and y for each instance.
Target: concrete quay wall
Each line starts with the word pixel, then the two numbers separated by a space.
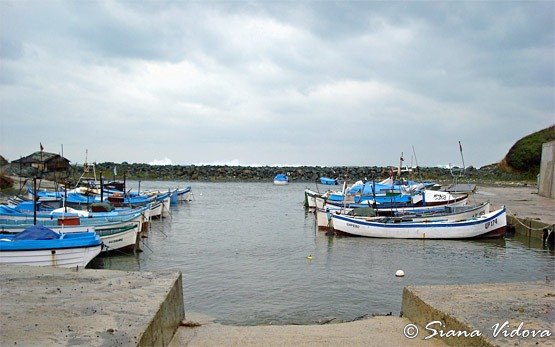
pixel 529 212
pixel 532 228
pixel 492 314
pixel 54 306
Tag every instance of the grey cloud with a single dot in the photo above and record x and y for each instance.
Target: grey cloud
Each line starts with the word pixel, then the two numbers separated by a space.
pixel 268 82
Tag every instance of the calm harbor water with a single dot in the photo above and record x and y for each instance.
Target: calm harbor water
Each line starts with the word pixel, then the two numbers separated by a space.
pixel 243 247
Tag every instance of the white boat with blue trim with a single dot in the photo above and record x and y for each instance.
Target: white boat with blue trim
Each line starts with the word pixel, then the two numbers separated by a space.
pixel 281 179
pixel 492 224
pixel 444 213
pixel 41 246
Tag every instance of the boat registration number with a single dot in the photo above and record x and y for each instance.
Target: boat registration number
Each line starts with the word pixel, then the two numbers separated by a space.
pixel 491 223
pixel 440 197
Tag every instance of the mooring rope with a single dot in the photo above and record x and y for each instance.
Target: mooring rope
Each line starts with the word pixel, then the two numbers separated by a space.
pixel 552 226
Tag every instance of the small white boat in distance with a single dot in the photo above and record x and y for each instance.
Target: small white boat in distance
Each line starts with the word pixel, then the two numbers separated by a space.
pixel 281 179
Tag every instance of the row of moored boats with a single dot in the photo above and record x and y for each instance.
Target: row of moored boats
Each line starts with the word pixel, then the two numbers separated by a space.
pixel 404 209
pixel 70 228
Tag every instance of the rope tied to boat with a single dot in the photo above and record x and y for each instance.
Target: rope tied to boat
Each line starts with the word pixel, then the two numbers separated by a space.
pixel 524 225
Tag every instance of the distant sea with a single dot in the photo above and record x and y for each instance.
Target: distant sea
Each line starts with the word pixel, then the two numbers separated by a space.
pixel 243 251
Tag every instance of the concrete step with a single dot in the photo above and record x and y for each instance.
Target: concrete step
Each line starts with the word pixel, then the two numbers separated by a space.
pixel 376 331
pixel 496 314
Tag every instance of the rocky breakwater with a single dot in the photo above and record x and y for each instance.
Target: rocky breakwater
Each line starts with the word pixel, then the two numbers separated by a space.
pixel 297 173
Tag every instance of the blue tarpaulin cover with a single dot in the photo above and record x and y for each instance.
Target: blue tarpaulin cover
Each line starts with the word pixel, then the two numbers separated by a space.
pixel 37 232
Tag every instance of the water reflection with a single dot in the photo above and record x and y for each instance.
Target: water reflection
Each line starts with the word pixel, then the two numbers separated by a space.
pixel 532 243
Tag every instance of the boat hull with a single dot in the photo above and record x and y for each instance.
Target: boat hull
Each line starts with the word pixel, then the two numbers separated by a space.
pixel 448 213
pixel 69 257
pixel 310 198
pixel 124 239
pixel 492 224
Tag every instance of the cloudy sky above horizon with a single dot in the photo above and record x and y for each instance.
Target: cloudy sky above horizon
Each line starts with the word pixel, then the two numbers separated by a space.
pixel 275 82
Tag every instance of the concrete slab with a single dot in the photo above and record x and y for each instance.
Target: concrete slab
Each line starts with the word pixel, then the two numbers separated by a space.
pixel 505 314
pixel 522 202
pixel 53 306
pixel 375 331
pixel 531 214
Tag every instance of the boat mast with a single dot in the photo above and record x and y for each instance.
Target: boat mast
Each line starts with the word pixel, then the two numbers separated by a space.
pixel 87 168
pixel 400 164
pixel 416 161
pixel 462 157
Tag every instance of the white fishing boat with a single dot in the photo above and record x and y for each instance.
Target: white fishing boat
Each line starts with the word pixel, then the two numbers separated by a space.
pixel 184 194
pixel 310 198
pixel 165 199
pixel 121 236
pixel 445 213
pixel 122 239
pixel 41 246
pixel 492 224
pixel 156 209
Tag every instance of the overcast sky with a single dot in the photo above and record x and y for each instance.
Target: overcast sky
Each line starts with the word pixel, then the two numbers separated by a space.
pixel 275 82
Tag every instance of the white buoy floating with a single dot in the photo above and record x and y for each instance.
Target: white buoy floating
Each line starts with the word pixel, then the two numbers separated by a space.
pixel 400 273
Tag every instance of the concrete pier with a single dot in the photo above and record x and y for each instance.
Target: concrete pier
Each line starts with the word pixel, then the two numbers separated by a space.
pixel 530 213
pixel 505 314
pixel 43 306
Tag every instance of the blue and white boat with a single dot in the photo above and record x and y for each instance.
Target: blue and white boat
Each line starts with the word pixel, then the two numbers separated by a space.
pixel 115 235
pixel 492 224
pixel 329 181
pixel 77 196
pixel 423 200
pixel 443 213
pixel 281 179
pixel 8 212
pixel 184 194
pixel 41 246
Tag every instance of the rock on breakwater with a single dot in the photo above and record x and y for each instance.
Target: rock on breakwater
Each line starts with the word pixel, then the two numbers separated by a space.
pixel 490 173
pixel 296 173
